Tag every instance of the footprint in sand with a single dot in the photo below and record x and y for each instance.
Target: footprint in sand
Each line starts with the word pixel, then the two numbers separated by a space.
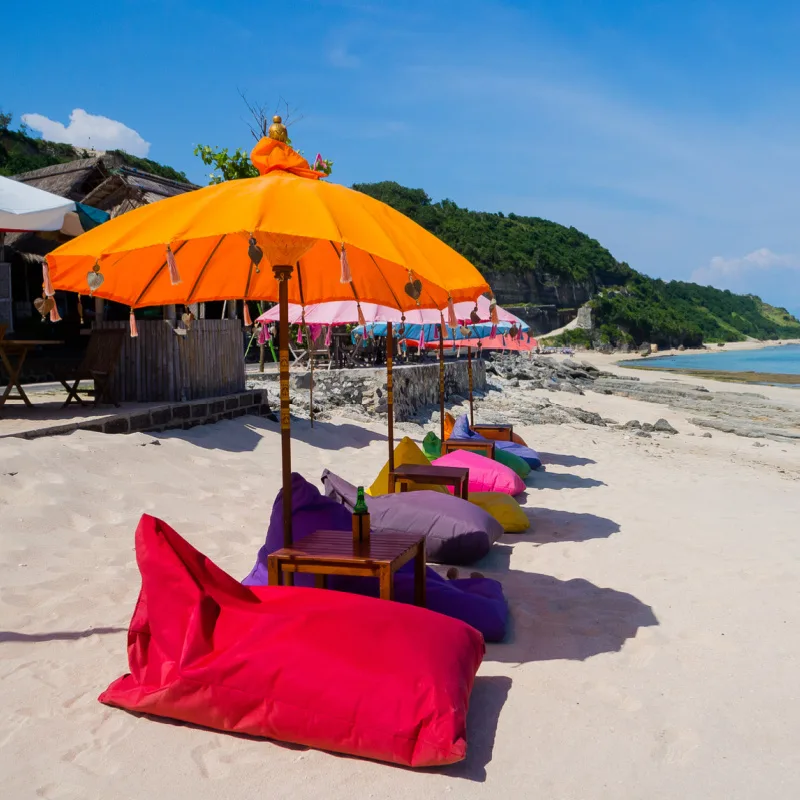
pixel 675 745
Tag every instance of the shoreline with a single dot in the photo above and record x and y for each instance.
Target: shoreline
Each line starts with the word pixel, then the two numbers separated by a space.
pixel 744 377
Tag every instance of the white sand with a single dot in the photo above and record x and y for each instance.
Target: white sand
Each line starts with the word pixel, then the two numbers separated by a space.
pixel 654 649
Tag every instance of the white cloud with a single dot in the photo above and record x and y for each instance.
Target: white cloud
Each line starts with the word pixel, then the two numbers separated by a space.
pixel 340 56
pixel 90 130
pixel 728 272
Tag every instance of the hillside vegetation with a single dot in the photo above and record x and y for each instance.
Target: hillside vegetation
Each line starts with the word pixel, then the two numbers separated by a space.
pixel 21 152
pixel 628 306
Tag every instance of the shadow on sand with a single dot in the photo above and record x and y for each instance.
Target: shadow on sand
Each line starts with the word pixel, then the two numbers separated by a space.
pixel 565 460
pixel 554 619
pixel 560 480
pixel 549 526
pixel 55 636
pixel 242 435
pixel 489 695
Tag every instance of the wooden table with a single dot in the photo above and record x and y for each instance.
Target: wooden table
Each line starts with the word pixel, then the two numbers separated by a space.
pixel 335 553
pixel 505 433
pixel 483 446
pixel 18 348
pixel 457 477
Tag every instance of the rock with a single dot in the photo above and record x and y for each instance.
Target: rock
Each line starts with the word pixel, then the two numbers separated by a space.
pixel 758 444
pixel 643 434
pixel 610 421
pixel 646 426
pixel 706 435
pixel 633 423
pixel 662 426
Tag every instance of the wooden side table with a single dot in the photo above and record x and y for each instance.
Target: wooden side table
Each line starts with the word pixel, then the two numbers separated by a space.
pixel 325 553
pixel 483 446
pixel 457 477
pixel 502 433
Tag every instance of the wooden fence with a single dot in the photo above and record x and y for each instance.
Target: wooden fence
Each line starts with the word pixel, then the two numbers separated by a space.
pixel 161 365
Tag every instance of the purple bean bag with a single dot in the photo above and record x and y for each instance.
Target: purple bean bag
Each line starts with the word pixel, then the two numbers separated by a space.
pixel 461 430
pixel 456 531
pixel 477 601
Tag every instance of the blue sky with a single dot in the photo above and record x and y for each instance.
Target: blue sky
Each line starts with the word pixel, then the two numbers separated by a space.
pixel 668 131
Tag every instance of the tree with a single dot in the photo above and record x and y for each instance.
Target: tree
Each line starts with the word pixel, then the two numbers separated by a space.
pixel 229 166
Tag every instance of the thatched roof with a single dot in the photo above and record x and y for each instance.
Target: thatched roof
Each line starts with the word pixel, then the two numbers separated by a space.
pixel 73 179
pixel 104 182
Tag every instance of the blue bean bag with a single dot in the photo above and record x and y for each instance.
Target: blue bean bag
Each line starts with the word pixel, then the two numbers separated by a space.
pixel 477 601
pixel 461 430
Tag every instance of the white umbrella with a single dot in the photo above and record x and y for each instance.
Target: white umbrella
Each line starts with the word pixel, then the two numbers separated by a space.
pixel 26 208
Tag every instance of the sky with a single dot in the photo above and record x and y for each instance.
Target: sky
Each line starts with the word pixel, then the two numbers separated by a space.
pixel 668 131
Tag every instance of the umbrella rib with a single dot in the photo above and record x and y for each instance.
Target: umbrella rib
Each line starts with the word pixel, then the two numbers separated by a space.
pixel 388 285
pixel 155 275
pixel 203 269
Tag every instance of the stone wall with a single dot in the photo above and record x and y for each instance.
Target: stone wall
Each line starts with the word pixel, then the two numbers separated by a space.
pixel 415 386
pixel 164 417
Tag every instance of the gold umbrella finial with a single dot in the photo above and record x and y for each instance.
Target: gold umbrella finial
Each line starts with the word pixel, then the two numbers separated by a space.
pixel 278 130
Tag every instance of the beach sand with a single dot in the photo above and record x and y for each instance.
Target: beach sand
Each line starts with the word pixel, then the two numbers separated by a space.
pixel 655 604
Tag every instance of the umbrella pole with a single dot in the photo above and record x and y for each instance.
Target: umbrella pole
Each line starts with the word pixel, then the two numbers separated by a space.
pixel 469 378
pixel 441 383
pixel 283 275
pixel 390 393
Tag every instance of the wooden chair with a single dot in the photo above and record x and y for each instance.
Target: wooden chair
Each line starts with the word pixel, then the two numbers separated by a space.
pixel 98 365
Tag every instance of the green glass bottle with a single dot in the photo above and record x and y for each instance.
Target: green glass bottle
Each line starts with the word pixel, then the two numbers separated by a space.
pixel 361 521
pixel 361 503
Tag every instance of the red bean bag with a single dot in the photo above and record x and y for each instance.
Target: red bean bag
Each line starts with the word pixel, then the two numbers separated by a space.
pixel 329 670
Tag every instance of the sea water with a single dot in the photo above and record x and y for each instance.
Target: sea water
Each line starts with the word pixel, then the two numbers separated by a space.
pixel 783 360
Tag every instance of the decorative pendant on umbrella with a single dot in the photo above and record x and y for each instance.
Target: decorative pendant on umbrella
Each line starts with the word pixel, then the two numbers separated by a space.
pixel 44 305
pixel 413 288
pixel 474 316
pixel 95 278
pixel 255 253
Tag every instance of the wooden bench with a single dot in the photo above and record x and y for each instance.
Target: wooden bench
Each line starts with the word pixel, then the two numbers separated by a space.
pixel 457 477
pixel 505 433
pixel 485 448
pixel 325 553
pixel 98 365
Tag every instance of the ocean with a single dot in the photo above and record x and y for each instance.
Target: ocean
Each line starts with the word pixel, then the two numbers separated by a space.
pixel 782 360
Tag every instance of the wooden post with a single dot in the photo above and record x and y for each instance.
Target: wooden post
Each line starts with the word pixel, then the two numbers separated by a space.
pixel 441 381
pixel 469 380
pixel 283 274
pixel 390 393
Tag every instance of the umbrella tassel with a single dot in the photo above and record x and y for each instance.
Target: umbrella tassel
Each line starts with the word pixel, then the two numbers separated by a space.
pixel 493 318
pixel 48 286
pixel 346 276
pixel 329 336
pixel 248 320
pixel 451 313
pixel 361 320
pixel 493 331
pixel 54 315
pixel 134 329
pixel 80 309
pixel 174 275
pixel 299 334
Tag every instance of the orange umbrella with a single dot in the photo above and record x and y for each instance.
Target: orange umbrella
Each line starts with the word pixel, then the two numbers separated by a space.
pixel 249 238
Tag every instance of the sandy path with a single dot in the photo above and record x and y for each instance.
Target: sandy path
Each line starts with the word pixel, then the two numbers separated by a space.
pixel 654 649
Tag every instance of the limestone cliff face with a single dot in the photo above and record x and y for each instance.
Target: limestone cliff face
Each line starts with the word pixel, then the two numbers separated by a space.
pixel 540 289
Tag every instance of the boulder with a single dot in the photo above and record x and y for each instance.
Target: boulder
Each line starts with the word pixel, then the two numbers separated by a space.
pixel 662 426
